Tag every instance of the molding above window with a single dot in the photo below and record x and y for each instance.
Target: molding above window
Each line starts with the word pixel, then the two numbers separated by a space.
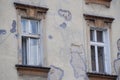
pixel 30 11
pixel 101 2
pixel 98 21
pixel 98 76
pixel 32 70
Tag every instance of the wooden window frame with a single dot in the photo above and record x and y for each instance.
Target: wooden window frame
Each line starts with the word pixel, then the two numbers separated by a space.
pixel 99 22
pixel 28 36
pixel 35 13
pixel 100 44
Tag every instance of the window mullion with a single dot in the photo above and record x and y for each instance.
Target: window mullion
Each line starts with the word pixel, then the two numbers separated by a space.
pixel 29 46
pixel 37 53
pixel 28 52
pixel 29 25
pixel 96 58
pixel 96 52
pixel 95 33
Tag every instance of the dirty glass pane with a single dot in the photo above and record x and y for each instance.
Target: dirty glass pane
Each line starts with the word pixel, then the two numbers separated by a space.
pixel 33 27
pixel 92 35
pixel 101 58
pixel 99 36
pixel 93 61
pixel 24 50
pixel 24 24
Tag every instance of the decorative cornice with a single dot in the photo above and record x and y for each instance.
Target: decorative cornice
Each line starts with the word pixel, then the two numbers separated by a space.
pixel 98 21
pixel 30 11
pixel 32 70
pixel 101 2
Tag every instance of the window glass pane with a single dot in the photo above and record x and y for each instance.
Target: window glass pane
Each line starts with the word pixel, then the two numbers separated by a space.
pixel 99 36
pixel 24 50
pixel 93 61
pixel 101 58
pixel 33 27
pixel 24 23
pixel 92 35
pixel 33 51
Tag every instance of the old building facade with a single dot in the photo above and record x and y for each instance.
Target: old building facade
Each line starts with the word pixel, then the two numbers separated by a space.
pixel 59 39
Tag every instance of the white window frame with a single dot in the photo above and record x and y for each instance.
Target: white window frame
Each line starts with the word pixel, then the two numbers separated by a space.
pixel 106 45
pixel 35 36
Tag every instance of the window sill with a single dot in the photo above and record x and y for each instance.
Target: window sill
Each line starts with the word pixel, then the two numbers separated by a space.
pixel 32 70
pixel 101 76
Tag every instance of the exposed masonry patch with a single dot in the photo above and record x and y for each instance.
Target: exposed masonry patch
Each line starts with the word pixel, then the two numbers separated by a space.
pixel 55 73
pixel 63 25
pixel 13 29
pixel 66 14
pixel 3 32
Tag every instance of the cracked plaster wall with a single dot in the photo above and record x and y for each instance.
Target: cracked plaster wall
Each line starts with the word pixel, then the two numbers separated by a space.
pixel 65 26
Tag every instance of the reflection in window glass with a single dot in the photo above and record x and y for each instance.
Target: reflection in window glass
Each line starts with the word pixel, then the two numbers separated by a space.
pixel 33 51
pixel 24 23
pixel 34 27
pixel 30 44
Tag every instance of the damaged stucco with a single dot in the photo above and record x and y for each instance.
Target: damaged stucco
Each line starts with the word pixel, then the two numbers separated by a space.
pixel 66 46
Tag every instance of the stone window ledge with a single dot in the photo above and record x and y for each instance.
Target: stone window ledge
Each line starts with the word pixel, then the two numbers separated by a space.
pixel 101 2
pixel 32 70
pixel 101 76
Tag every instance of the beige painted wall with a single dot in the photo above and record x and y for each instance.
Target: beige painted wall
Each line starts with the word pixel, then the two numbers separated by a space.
pixel 58 48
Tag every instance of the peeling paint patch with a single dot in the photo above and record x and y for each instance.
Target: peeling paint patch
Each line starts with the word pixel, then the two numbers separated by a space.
pixel 66 14
pixel 17 35
pixel 3 32
pixel 13 29
pixel 117 61
pixel 77 62
pixel 118 44
pixel 55 73
pixel 50 37
pixel 63 25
